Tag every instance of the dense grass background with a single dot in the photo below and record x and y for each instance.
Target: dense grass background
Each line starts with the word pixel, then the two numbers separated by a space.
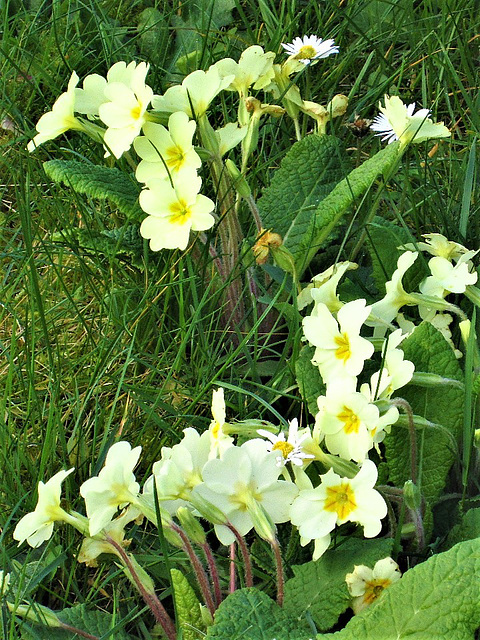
pixel 94 348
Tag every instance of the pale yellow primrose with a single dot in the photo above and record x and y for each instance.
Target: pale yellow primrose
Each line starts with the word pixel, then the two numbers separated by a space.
pixel 166 152
pixel 37 526
pixel 174 211
pixel 366 585
pixel 114 488
pixel 399 122
pixel 60 119
pixel 335 501
pixel 219 440
pixel 255 67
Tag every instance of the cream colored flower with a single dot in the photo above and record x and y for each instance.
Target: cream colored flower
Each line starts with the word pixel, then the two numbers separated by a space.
pixel 219 440
pixel 255 67
pixel 91 96
pixel 166 152
pixel 438 245
pixel 399 122
pixel 175 211
pixel 324 287
pixel 60 119
pixel 366 585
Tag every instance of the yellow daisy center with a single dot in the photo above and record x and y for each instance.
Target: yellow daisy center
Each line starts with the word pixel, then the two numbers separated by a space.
pixel 181 212
pixel 307 52
pixel 343 352
pixel 373 588
pixel 175 158
pixel 284 447
pixel 341 500
pixel 351 422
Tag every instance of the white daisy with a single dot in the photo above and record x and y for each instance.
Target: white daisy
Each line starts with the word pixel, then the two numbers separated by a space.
pixel 289 449
pixel 310 48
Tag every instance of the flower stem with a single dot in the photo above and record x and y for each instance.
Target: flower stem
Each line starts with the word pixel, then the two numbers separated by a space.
pixel 232 586
pixel 280 574
pixel 213 572
pixel 245 556
pixel 78 632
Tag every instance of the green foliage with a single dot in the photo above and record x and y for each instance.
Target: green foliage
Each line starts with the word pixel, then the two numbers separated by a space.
pixel 428 350
pixel 436 599
pixel 309 380
pixel 187 607
pixel 98 623
pixel 97 182
pixel 319 587
pixel 249 614
pixel 467 529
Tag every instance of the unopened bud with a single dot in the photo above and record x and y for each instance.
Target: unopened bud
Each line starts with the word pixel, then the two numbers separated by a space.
pixel 337 105
pixel 239 181
pixel 412 495
pixel 36 613
pixel 262 522
pixel 140 574
pixel 284 259
pixel 191 526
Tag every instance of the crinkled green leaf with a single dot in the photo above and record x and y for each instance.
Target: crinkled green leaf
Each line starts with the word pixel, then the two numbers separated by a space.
pixel 308 377
pixel 319 587
pixel 187 608
pixel 436 600
pixel 429 351
pixel 97 623
pixel 467 529
pixel 99 182
pixel 249 614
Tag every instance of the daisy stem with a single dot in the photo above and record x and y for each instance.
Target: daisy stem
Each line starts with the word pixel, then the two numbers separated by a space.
pixel 280 574
pixel 151 599
pixel 245 556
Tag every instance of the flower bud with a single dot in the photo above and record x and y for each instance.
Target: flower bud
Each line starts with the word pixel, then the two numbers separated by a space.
pixel 337 105
pixel 412 495
pixel 191 526
pixel 239 181
pixel 36 613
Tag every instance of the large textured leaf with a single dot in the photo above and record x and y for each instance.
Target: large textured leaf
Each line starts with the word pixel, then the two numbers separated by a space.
pixel 319 587
pixel 436 600
pixel 309 380
pixel 97 623
pixel 98 182
pixel 249 614
pixel 187 608
pixel 430 353
pixel 467 529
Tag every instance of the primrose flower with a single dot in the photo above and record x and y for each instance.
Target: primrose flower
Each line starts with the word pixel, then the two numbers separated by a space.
pixel 243 484
pixel 195 93
pixel 255 67
pixel 396 371
pixel 340 350
pixel 91 96
pixel 438 245
pixel 366 585
pixel 37 526
pixel 347 420
pixel 124 111
pixel 60 119
pixel 449 278
pixel 335 501
pixel 310 48
pixel 115 486
pixel 174 211
pixel 288 449
pixel 399 122
pixel 219 440
pixel 166 152
pixel 324 287
pixel 229 136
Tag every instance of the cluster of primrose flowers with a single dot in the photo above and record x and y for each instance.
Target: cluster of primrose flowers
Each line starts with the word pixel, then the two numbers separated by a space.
pixel 123 113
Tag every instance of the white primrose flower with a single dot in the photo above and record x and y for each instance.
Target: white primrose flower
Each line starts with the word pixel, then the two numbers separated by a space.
pixel 114 488
pixel 166 152
pixel 438 245
pixel 244 482
pixel 310 48
pixel 194 95
pixel 124 111
pixel 396 372
pixel 178 471
pixel 366 585
pixel 175 211
pixel 449 278
pixel 340 350
pixel 60 119
pixel 324 287
pixel 219 440
pixel 347 420
pixel 37 526
pixel 91 96
pixel 288 449
pixel 335 501
pixel 255 67
pixel 399 122
pixel 229 136
pixel 386 309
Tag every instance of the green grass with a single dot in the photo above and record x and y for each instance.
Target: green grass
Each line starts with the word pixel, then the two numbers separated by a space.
pixel 94 348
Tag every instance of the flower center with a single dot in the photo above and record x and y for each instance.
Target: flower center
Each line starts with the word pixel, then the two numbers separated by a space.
pixel 351 422
pixel 181 212
pixel 373 588
pixel 307 52
pixel 136 112
pixel 175 158
pixel 284 447
pixel 343 352
pixel 341 500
